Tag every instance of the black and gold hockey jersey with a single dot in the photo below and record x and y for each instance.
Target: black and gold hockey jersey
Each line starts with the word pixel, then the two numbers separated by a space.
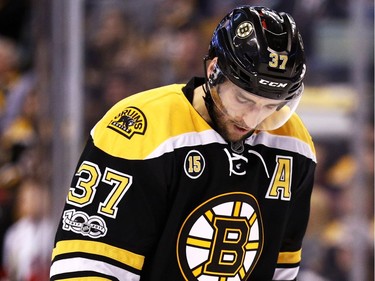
pixel 159 195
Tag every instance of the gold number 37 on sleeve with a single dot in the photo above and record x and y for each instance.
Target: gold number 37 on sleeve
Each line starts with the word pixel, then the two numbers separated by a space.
pixel 89 177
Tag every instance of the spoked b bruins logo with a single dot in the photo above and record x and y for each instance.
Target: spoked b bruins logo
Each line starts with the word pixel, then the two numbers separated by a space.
pixel 221 239
pixel 244 30
pixel 129 122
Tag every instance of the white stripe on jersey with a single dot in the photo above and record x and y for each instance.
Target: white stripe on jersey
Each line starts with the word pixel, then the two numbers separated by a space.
pixel 186 140
pixel 206 137
pixel 81 264
pixel 285 273
pixel 282 142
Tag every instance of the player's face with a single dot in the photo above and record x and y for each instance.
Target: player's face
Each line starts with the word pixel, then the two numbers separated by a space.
pixel 237 112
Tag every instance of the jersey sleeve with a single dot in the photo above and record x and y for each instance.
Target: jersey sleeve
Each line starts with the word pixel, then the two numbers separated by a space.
pixel 290 254
pixel 289 259
pixel 117 201
pixel 111 216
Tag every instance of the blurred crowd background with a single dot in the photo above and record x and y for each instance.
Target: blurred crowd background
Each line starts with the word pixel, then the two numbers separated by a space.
pixel 63 63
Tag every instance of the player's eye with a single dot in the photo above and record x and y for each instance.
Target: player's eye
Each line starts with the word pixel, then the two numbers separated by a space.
pixel 272 106
pixel 241 99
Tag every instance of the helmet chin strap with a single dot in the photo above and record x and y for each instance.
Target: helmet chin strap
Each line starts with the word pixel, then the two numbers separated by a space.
pixel 206 88
pixel 215 78
pixel 208 97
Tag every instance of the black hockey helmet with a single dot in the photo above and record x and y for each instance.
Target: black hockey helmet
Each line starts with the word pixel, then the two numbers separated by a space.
pixel 261 51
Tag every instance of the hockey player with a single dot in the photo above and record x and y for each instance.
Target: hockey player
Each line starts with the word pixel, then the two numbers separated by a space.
pixel 205 181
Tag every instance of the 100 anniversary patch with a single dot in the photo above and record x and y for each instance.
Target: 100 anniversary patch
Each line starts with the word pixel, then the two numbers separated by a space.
pixel 129 122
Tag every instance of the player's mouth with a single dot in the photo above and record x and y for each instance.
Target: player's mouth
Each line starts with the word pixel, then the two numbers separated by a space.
pixel 241 129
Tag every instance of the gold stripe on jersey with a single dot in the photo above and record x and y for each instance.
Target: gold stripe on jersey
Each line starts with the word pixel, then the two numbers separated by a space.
pixel 101 249
pixel 289 257
pixel 168 114
pixel 96 278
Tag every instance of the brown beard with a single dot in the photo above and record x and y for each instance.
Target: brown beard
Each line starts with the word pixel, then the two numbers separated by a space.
pixel 219 118
pixel 221 122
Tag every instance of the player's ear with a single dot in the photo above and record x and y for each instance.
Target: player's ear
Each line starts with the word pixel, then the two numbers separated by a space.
pixel 211 67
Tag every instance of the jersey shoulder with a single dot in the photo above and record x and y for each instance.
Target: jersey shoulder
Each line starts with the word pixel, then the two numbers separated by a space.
pixel 134 127
pixel 294 129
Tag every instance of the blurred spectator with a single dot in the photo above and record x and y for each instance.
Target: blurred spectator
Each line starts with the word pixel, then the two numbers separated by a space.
pixel 15 86
pixel 17 125
pixel 28 242
pixel 108 33
pixel 174 14
pixel 314 248
pixel 116 85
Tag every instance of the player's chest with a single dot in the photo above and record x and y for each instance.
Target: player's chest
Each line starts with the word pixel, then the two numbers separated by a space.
pixel 254 169
pixel 225 195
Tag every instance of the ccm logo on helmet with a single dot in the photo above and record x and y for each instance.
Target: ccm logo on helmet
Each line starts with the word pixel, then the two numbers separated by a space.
pixel 272 84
